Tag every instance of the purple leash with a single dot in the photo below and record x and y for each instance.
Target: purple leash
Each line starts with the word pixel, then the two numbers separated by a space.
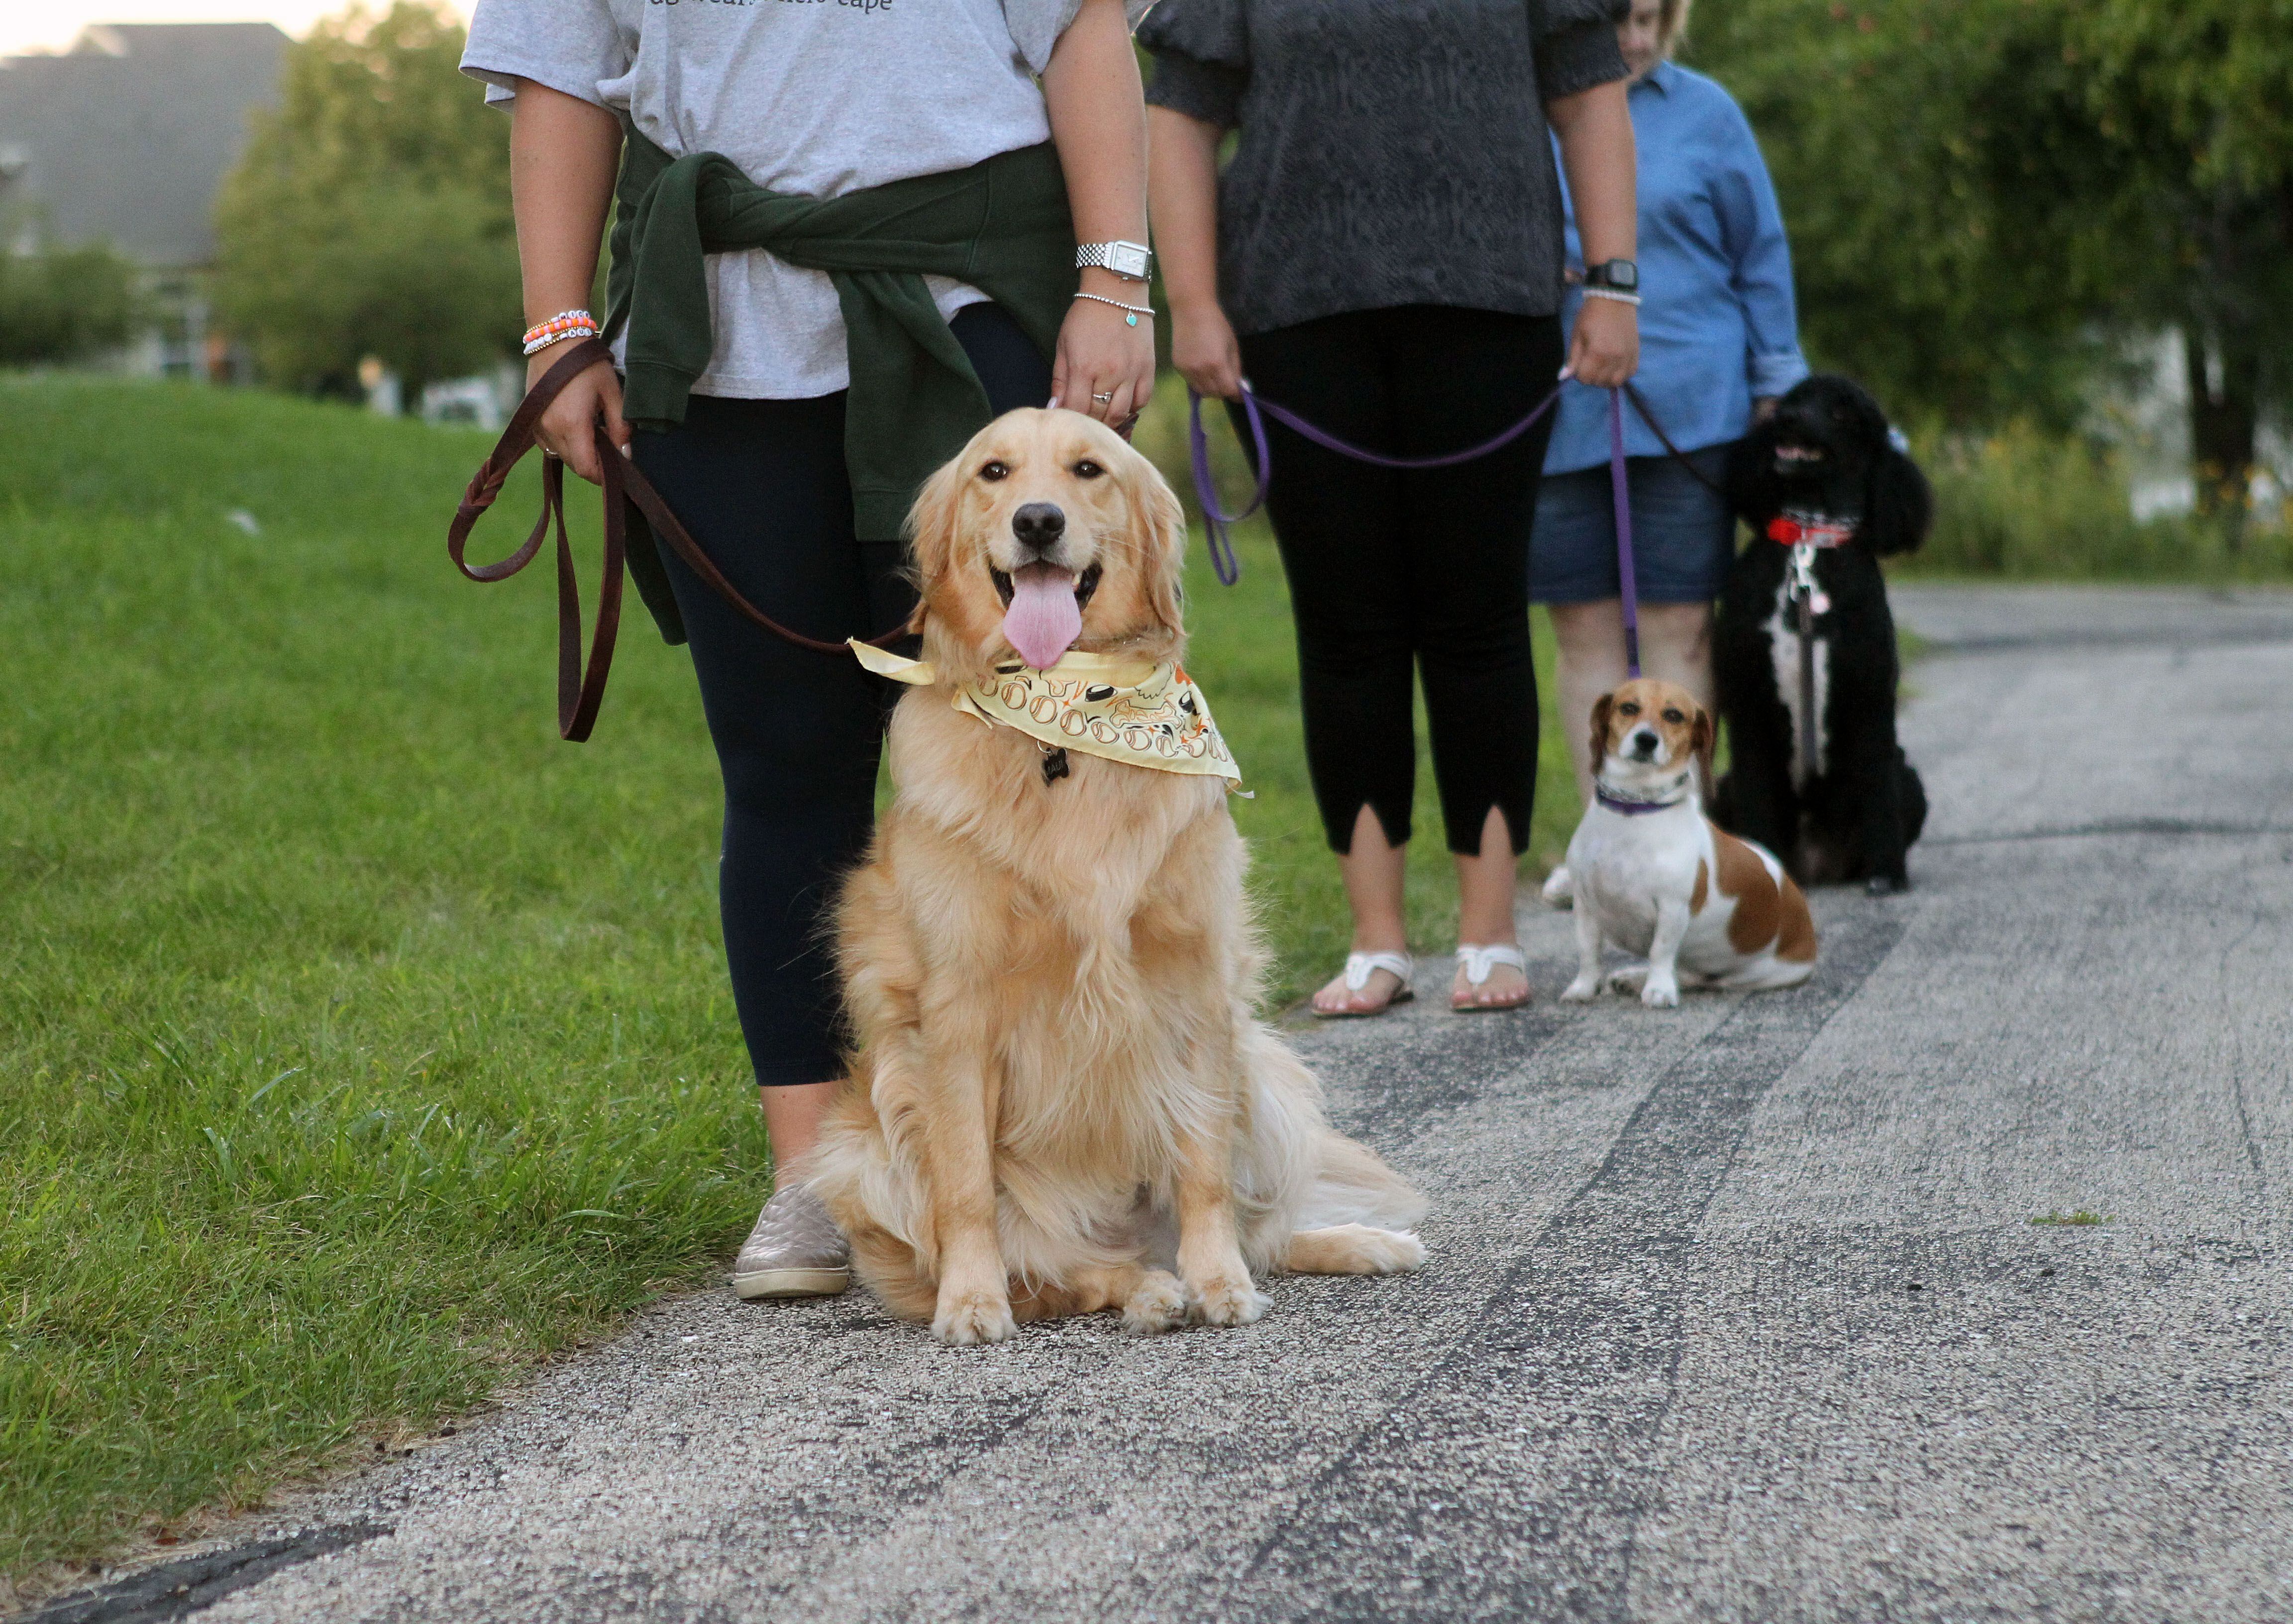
pixel 1216 520
pixel 1628 584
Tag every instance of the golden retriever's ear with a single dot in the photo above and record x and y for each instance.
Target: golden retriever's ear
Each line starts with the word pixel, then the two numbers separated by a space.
pixel 931 528
pixel 1158 525
pixel 1601 707
pixel 1699 745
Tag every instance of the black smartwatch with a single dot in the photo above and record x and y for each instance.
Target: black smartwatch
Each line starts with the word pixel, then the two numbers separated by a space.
pixel 1620 275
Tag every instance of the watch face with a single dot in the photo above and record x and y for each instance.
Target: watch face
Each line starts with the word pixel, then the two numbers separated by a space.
pixel 1127 259
pixel 1621 274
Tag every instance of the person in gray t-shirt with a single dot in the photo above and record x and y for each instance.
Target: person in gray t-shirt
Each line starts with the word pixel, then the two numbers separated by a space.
pixel 1384 256
pixel 820 101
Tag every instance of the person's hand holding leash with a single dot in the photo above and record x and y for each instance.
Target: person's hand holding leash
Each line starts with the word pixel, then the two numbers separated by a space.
pixel 565 430
pixel 1205 351
pixel 564 153
pixel 1597 154
pixel 1605 348
pixel 1184 152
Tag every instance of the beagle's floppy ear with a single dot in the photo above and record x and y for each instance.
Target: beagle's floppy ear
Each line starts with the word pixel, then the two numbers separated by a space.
pixel 1699 746
pixel 1601 707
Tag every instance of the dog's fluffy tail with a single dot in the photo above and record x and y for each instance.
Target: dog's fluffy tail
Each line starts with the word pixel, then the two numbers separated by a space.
pixel 1353 1185
pixel 1300 1174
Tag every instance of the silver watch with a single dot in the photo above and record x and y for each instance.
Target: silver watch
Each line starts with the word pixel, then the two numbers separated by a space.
pixel 1127 259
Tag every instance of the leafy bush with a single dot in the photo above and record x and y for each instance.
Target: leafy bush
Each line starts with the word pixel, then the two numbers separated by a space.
pixel 2024 504
pixel 62 304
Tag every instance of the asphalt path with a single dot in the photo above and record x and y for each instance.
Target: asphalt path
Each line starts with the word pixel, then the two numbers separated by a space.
pixel 1739 1311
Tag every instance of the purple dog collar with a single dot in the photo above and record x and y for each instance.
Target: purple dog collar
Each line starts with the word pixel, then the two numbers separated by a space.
pixel 1631 809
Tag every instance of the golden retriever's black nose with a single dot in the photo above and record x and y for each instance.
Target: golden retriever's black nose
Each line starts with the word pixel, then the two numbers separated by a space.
pixel 1039 525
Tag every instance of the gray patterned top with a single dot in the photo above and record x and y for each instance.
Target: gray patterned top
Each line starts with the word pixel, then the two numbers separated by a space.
pixel 1391 152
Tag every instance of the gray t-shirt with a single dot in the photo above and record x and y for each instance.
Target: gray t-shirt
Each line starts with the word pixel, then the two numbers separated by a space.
pixel 815 97
pixel 1391 152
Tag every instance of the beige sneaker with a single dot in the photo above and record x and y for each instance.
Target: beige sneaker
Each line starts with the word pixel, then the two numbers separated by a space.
pixel 795 1250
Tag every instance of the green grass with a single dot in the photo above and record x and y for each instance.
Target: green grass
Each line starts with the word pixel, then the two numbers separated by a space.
pixel 359 1042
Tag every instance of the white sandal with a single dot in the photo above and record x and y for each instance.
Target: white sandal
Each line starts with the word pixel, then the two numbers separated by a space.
pixel 1360 968
pixel 1477 962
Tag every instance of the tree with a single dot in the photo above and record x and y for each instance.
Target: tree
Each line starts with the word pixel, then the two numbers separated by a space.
pixel 64 304
pixel 1921 150
pixel 370 215
pixel 1983 193
pixel 2197 97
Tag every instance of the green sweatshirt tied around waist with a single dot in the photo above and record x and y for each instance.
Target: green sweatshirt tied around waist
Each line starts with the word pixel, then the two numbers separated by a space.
pixel 1003 226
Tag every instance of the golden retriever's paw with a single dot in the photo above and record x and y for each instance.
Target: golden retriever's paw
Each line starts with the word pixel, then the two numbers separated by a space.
pixel 1158 1304
pixel 968 1318
pixel 1353 1248
pixel 1226 1299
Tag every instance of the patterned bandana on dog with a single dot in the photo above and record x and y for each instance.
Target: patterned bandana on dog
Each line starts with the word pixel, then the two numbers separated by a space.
pixel 1103 705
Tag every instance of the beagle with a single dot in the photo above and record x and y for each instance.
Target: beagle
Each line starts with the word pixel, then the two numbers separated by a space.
pixel 1656 877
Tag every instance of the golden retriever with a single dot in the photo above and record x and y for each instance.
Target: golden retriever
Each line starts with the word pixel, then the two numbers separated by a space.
pixel 1061 1101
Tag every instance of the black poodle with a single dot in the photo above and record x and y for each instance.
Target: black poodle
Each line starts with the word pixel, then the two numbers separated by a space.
pixel 1825 483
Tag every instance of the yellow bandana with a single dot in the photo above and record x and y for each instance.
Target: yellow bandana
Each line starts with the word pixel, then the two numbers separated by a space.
pixel 1125 710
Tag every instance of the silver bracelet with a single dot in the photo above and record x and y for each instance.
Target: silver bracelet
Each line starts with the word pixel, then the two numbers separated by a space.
pixel 1137 310
pixel 1618 294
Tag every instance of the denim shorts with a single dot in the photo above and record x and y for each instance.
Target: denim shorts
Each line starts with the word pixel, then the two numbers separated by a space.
pixel 1683 535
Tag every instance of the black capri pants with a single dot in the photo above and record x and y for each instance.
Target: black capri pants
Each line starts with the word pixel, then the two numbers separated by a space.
pixel 762 485
pixel 1388 568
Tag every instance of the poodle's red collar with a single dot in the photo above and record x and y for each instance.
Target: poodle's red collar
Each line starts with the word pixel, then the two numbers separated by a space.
pixel 1815 532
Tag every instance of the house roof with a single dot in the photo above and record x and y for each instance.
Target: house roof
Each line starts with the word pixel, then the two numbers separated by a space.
pixel 126 137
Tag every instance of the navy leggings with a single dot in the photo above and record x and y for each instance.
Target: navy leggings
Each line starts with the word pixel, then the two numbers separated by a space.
pixel 762 485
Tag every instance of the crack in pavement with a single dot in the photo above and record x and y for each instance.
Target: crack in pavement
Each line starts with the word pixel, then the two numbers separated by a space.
pixel 1507 1481
pixel 193 1584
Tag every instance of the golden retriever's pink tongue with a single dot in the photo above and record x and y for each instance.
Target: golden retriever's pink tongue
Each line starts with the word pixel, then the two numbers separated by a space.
pixel 1044 620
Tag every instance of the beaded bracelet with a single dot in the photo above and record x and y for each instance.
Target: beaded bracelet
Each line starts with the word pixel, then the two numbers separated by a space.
pixel 1617 293
pixel 565 324
pixel 1137 310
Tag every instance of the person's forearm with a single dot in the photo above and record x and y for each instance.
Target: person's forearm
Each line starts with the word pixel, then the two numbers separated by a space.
pixel 1182 177
pixel 1092 93
pixel 1595 128
pixel 563 153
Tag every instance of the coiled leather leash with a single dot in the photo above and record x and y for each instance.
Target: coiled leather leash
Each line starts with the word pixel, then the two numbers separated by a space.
pixel 581 687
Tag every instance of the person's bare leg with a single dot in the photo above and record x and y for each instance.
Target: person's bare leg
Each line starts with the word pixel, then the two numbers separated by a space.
pixel 1676 647
pixel 1589 661
pixel 1373 873
pixel 792 1117
pixel 1485 905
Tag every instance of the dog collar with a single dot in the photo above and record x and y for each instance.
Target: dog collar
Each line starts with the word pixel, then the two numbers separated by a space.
pixel 1815 531
pixel 1132 711
pixel 1631 808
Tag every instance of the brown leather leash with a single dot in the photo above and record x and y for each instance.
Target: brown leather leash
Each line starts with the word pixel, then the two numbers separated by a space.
pixel 580 690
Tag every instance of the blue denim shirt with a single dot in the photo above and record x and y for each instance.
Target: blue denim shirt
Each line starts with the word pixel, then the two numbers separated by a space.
pixel 1717 322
